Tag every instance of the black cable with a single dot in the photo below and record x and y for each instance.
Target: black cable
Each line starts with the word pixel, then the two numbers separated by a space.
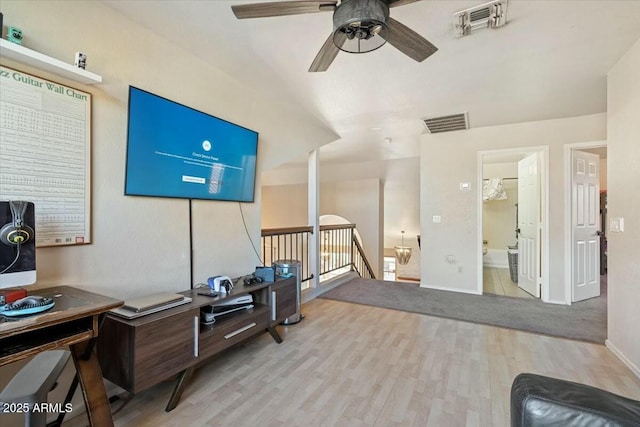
pixel 248 235
pixel 14 261
pixel 190 246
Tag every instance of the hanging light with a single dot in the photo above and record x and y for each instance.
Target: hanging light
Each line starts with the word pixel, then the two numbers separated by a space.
pixel 403 253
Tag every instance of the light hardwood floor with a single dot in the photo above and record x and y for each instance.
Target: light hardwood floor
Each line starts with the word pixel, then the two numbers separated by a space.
pixel 498 281
pixel 354 365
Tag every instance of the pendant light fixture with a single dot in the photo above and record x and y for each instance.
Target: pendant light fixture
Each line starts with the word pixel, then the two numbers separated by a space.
pixel 403 253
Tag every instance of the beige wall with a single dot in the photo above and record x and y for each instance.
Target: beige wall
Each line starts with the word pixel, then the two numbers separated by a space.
pixel 402 211
pixel 623 135
pixel 141 245
pixel 284 205
pixel 448 159
pixel 362 202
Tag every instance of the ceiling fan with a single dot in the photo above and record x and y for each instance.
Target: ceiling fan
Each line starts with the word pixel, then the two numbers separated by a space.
pixel 359 26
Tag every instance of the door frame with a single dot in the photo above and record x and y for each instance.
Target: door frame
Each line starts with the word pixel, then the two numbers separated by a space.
pixel 544 217
pixel 568 218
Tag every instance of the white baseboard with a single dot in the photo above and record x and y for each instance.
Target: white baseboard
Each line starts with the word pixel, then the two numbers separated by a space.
pixel 312 293
pixel 556 301
pixel 494 264
pixel 496 258
pixel 440 288
pixel 623 358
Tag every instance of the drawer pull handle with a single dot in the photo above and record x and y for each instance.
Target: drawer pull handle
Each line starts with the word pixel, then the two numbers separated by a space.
pixel 239 331
pixel 196 328
pixel 273 306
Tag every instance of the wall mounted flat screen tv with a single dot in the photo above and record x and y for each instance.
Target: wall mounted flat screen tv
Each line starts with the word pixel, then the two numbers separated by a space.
pixel 176 151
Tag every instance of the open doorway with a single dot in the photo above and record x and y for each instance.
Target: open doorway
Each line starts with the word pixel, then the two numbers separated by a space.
pixel 513 207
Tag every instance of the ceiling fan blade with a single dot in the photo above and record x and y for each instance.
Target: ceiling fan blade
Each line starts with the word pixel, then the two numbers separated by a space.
pixel 327 53
pixel 263 10
pixel 396 3
pixel 408 41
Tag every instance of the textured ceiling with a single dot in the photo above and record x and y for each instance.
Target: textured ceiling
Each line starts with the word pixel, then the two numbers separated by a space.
pixel 549 61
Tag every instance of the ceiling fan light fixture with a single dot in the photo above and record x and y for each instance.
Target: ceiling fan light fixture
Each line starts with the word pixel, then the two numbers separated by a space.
pixel 364 23
pixel 359 26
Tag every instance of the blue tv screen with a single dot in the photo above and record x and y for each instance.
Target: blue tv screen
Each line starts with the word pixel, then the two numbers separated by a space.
pixel 176 151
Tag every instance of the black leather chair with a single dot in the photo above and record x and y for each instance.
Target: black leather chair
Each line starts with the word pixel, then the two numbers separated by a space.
pixel 538 401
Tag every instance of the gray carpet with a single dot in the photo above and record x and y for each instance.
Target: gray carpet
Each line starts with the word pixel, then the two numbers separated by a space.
pixel 585 321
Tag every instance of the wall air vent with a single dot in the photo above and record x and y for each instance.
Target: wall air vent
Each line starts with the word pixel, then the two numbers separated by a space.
pixel 447 123
pixel 487 15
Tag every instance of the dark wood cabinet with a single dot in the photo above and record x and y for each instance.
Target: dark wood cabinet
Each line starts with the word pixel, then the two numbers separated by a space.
pixel 136 354
pixel 282 302
pixel 165 348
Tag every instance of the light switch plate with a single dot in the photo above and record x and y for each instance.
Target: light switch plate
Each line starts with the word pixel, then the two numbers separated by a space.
pixel 437 219
pixel 616 225
pixel 465 186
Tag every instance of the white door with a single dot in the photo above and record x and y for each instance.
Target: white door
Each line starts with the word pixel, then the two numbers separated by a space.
pixel 529 225
pixel 585 210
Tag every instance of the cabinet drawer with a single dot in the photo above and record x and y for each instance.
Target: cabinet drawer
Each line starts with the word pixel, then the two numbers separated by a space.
pixel 164 348
pixel 232 328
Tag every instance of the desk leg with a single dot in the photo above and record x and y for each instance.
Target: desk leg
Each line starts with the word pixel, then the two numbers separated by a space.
pixel 185 376
pixel 274 334
pixel 93 391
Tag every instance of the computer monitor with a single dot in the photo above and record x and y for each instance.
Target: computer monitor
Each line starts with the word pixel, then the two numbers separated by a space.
pixel 17 244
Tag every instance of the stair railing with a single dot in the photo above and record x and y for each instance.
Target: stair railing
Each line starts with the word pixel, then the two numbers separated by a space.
pixel 340 250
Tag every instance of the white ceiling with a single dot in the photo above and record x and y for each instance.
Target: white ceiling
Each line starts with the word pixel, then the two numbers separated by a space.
pixel 549 61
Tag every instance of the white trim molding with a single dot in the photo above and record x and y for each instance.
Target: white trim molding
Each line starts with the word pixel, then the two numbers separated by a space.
pixel 440 288
pixel 628 363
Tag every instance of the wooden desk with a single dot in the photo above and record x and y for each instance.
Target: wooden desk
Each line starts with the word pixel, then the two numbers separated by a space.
pixel 74 321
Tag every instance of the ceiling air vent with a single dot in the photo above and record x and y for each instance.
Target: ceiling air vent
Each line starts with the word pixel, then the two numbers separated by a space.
pixel 487 15
pixel 447 123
